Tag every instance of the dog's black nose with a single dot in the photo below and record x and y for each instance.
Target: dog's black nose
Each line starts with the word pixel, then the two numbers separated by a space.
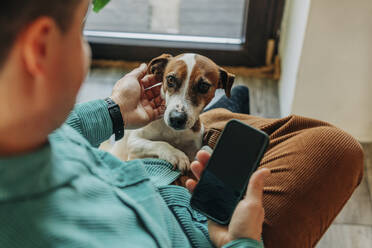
pixel 177 120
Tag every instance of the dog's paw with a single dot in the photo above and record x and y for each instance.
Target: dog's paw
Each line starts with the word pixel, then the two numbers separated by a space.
pixel 177 158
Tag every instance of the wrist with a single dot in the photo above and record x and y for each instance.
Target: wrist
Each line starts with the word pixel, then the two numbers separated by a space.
pixel 244 242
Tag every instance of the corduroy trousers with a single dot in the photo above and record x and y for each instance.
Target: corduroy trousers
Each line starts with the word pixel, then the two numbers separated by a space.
pixel 315 167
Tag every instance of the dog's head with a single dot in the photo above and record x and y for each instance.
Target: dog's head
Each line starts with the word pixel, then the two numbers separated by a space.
pixel 189 83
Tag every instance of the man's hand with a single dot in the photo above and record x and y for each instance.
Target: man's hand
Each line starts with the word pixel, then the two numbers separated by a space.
pixel 138 107
pixel 248 216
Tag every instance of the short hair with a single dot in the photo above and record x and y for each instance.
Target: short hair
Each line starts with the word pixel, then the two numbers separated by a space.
pixel 17 14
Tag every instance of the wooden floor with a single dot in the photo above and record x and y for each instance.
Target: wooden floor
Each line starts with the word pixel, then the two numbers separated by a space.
pixel 353 226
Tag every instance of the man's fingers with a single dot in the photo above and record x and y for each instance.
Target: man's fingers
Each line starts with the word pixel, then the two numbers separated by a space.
pixel 139 72
pixel 159 112
pixel 197 169
pixel 152 93
pixel 154 112
pixel 159 101
pixel 203 156
pixel 191 184
pixel 156 91
pixel 149 95
pixel 256 185
pixel 149 80
pixel 155 103
pixel 161 108
pixel 198 166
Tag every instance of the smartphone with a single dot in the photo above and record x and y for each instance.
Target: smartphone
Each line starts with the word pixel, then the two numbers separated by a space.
pixel 223 182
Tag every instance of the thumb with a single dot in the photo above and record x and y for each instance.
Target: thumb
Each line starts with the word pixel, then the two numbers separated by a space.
pixel 139 72
pixel 256 185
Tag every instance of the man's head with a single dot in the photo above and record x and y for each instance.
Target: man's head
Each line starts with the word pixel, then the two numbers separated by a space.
pixel 43 61
pixel 16 15
pixel 189 83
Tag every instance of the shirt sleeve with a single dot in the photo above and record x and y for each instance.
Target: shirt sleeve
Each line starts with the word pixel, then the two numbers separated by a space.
pixel 92 120
pixel 246 243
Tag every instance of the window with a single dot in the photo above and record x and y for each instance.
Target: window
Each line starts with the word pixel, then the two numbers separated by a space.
pixel 231 32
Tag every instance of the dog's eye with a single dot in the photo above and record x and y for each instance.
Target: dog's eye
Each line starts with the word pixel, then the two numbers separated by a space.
pixel 171 81
pixel 203 87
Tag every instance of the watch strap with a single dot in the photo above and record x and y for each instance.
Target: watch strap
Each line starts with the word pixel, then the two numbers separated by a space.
pixel 116 118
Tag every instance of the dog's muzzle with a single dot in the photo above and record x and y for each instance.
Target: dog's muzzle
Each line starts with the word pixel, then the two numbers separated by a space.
pixel 177 120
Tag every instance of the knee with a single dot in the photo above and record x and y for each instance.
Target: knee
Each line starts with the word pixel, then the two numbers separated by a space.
pixel 341 154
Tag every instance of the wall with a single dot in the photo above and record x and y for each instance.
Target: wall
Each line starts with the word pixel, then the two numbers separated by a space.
pixel 292 37
pixel 330 78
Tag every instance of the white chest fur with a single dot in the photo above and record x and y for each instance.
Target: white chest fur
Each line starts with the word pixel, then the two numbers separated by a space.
pixel 187 140
pixel 160 141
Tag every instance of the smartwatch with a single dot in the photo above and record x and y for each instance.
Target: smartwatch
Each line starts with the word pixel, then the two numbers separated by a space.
pixel 116 118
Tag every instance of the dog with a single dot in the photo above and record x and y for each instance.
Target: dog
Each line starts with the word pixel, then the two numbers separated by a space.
pixel 189 82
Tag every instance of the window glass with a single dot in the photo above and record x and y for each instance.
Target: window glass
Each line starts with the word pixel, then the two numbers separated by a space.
pixel 208 18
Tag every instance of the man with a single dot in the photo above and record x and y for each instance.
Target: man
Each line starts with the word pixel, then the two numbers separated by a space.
pixel 58 189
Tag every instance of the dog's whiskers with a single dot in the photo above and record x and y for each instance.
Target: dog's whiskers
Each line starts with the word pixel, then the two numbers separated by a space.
pixel 153 86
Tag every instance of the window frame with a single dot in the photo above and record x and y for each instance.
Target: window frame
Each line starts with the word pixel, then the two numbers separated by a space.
pixel 262 23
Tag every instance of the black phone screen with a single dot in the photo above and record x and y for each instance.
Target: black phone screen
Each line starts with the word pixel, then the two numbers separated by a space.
pixel 234 159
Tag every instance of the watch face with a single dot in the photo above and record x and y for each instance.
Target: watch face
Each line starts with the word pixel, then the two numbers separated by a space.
pixel 110 102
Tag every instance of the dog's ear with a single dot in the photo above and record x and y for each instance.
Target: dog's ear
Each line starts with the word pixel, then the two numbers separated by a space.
pixel 226 81
pixel 157 66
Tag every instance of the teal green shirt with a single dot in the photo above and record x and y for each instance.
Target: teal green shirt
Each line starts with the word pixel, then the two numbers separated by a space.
pixel 71 194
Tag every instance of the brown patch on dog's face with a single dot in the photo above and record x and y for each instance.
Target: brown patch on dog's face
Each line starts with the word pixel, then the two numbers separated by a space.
pixel 174 76
pixel 157 66
pixel 204 81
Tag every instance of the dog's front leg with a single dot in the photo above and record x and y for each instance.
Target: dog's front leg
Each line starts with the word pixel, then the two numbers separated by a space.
pixel 138 144
pixel 143 148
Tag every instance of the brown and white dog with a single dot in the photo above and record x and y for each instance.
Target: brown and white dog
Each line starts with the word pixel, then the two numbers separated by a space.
pixel 189 82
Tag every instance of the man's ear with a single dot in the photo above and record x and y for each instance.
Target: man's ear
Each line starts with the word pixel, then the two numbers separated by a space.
pixel 36 44
pixel 226 81
pixel 157 66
